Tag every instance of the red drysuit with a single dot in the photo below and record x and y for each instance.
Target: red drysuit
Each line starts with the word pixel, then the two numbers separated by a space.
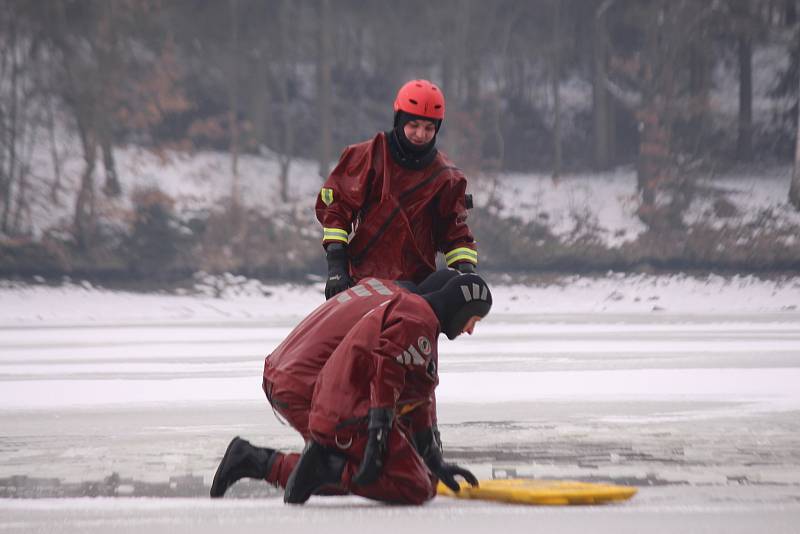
pixel 291 370
pixel 399 218
pixel 387 359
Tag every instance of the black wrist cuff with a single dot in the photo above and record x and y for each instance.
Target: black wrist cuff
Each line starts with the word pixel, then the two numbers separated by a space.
pixel 336 253
pixel 380 418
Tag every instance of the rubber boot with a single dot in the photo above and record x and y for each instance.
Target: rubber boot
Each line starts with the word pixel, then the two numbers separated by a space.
pixel 241 460
pixel 317 467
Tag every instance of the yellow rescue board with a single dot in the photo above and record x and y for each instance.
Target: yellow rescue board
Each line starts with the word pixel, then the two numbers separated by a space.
pixel 547 492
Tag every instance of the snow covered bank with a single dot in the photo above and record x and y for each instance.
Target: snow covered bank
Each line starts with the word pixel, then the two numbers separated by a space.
pixel 582 221
pixel 251 301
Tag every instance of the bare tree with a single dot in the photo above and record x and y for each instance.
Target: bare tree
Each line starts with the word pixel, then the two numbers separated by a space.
pixel 794 189
pixel 108 59
pixel 556 87
pixel 10 113
pixel 747 25
pixel 668 27
pixel 104 86
pixel 55 158
pixel 324 87
pixel 19 117
pixel 601 102
pixel 233 100
pixel 284 83
pixel 744 144
pixel 78 90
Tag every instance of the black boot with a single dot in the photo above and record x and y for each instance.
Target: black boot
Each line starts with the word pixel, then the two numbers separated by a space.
pixel 317 467
pixel 241 460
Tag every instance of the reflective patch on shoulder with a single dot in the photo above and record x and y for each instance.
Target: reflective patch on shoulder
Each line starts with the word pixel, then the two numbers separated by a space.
pixel 378 286
pixel 344 297
pixel 326 194
pixel 361 291
pixel 416 357
pixel 404 358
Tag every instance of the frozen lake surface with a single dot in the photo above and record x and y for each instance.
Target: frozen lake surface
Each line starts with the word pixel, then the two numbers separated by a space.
pixel 115 415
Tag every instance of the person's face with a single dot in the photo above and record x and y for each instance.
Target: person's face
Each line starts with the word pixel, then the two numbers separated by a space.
pixel 419 132
pixel 470 326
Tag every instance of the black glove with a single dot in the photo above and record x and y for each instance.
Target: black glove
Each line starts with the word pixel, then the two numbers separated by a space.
pixel 338 271
pixel 430 448
pixel 380 422
pixel 465 267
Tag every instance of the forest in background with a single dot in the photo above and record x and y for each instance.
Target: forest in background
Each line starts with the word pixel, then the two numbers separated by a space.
pixel 531 85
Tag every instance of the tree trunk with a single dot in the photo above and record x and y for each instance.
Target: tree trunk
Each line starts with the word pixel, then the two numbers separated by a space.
pixel 79 91
pixel 22 207
pixel 744 144
pixel 794 189
pixel 601 112
pixel 25 129
pixel 654 162
pixel 790 13
pixel 233 101
pixel 471 61
pixel 496 108
pixel 287 145
pixel 8 173
pixel 83 222
pixel 556 81
pixel 55 188
pixel 699 87
pixel 107 62
pixel 260 98
pixel 112 187
pixel 324 88
pixel 458 51
pixel 448 67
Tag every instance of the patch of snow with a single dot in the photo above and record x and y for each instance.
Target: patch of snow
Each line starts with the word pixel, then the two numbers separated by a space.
pixel 572 207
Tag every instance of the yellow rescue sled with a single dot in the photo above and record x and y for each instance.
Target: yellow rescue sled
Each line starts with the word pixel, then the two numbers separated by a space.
pixel 544 492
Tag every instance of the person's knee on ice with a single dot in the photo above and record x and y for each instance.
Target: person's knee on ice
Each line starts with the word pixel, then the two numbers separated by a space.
pixel 378 427
pixel 375 356
pixel 317 467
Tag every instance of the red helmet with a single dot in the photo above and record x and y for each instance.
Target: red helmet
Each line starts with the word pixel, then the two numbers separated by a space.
pixel 420 97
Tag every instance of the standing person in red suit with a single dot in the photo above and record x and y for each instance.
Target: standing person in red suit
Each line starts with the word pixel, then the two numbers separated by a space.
pixel 370 425
pixel 394 201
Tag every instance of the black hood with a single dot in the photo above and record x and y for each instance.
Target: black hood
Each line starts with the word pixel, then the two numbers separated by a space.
pixel 406 153
pixel 462 297
pixel 436 280
pixel 413 157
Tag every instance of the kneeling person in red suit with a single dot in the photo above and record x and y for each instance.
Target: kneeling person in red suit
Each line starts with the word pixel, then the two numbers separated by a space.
pixel 370 425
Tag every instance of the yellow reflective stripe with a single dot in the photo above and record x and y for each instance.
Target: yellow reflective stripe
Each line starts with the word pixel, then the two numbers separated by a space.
pixel 406 408
pixel 461 254
pixel 334 234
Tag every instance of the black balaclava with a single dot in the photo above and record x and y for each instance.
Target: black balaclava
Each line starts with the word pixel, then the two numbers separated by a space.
pixel 403 151
pixel 462 297
pixel 436 280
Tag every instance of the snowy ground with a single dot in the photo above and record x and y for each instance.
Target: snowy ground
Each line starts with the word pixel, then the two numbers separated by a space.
pixel 686 388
